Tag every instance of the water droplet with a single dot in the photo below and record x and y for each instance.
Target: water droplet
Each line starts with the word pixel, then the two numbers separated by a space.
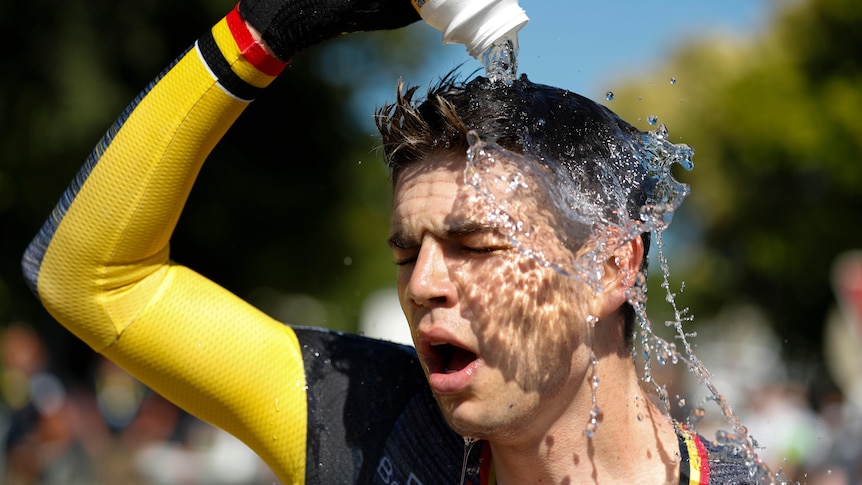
pixel 662 355
pixel 609 95
pixel 652 119
pixel 673 80
pixel 591 429
pixel 348 261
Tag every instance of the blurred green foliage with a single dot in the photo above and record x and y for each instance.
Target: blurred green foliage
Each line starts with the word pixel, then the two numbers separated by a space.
pixel 777 185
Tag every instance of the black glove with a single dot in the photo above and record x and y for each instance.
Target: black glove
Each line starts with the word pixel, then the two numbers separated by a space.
pixel 289 26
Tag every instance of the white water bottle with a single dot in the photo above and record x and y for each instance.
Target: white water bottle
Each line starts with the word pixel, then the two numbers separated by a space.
pixel 477 24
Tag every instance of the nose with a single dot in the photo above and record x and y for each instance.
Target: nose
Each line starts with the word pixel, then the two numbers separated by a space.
pixel 430 283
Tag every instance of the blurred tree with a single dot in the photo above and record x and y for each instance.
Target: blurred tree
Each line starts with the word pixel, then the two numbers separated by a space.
pixel 777 184
pixel 304 212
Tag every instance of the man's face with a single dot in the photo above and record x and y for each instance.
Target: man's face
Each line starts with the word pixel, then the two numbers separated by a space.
pixel 501 339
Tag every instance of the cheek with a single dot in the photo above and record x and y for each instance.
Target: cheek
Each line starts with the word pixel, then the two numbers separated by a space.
pixel 528 320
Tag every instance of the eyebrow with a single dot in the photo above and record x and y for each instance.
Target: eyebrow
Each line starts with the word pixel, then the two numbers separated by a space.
pixel 458 230
pixel 466 228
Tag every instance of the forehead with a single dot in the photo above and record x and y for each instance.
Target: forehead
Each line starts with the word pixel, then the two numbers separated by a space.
pixel 433 195
pixel 428 189
pixel 436 162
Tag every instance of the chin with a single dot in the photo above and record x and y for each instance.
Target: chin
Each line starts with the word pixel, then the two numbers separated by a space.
pixel 459 418
pixel 504 413
pixel 468 421
pixel 470 430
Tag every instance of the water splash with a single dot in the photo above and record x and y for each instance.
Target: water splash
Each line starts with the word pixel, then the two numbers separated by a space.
pixel 593 423
pixel 516 186
pixel 501 59
pixel 468 446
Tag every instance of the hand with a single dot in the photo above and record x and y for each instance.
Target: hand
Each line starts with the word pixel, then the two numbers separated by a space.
pixel 289 26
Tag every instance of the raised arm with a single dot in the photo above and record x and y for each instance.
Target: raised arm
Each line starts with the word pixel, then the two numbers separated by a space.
pixel 101 266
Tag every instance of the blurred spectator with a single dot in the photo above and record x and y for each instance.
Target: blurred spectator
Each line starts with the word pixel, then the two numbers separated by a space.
pixel 40 443
pixel 115 431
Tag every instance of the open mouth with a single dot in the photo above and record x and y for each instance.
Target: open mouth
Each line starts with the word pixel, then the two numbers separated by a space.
pixel 451 359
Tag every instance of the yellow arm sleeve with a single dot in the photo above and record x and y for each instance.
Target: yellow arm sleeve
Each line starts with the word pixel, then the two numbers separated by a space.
pixel 101 265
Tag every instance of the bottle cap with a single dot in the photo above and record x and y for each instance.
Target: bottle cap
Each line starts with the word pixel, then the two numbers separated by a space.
pixel 476 24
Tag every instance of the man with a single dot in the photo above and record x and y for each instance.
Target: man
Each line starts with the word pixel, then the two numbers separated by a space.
pixel 510 350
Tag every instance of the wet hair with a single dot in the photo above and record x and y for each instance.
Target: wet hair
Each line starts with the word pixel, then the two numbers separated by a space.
pixel 567 132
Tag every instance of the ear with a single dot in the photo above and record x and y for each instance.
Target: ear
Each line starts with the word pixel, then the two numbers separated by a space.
pixel 620 274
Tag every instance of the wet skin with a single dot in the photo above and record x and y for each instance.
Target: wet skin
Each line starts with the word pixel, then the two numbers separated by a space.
pixel 500 338
pixel 505 342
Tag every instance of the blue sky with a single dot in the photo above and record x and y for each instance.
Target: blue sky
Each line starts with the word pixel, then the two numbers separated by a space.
pixel 587 46
pixel 583 45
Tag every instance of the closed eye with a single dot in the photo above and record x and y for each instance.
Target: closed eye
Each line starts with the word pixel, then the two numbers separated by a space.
pixel 483 250
pixel 405 251
pixel 405 261
pixel 405 255
pixel 484 242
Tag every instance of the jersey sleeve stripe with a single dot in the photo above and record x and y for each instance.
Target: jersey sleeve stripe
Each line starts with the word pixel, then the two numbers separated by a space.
pixel 703 460
pixel 252 50
pixel 221 70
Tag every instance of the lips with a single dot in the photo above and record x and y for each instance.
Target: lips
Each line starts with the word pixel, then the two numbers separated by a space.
pixel 451 367
pixel 453 359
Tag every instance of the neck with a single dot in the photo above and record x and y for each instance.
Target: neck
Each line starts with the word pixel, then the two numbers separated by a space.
pixel 634 441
